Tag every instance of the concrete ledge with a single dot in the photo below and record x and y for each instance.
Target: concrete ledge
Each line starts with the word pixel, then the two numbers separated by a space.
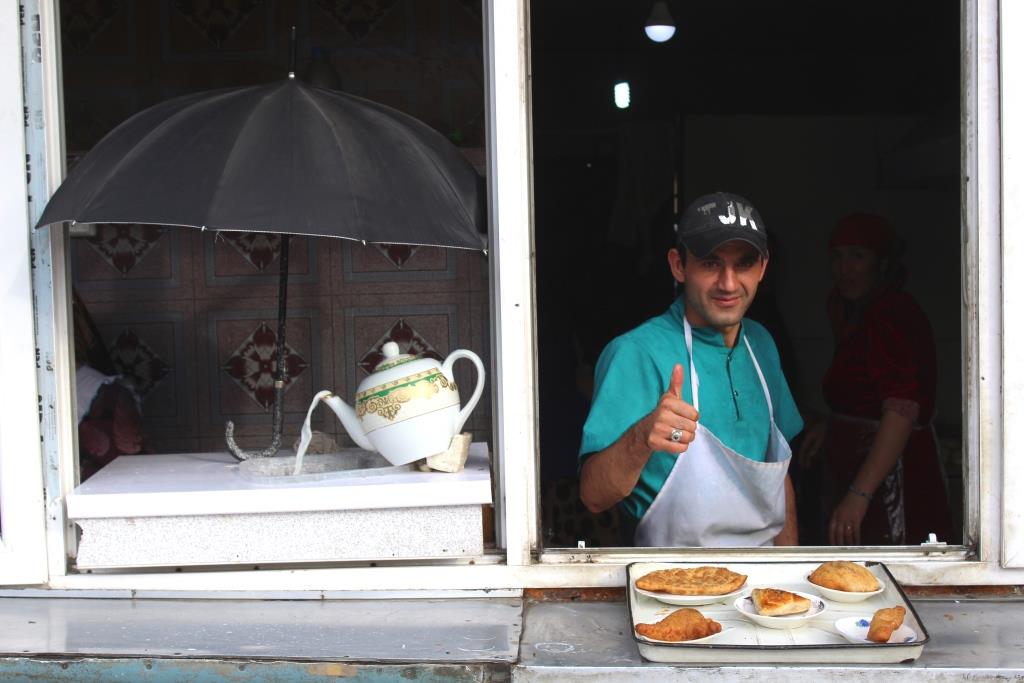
pixel 343 535
pixel 452 639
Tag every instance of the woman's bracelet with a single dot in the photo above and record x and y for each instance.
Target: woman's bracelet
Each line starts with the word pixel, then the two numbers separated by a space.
pixel 862 494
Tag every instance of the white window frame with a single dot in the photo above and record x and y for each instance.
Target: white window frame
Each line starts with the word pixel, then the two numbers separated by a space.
pixel 993 382
pixel 1012 213
pixel 22 540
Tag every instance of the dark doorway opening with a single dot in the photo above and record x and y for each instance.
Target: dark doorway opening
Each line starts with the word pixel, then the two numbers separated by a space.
pixel 811 110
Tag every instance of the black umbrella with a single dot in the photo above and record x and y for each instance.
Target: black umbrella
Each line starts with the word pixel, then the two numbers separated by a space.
pixel 285 158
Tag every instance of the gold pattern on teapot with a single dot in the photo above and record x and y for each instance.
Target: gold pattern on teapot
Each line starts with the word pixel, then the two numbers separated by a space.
pixel 386 400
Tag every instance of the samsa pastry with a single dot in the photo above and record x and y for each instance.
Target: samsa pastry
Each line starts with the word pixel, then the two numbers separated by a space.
pixel 773 602
pixel 885 622
pixel 682 624
pixel 692 581
pixel 844 576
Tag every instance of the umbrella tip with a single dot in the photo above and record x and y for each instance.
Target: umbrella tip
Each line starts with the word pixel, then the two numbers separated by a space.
pixel 292 44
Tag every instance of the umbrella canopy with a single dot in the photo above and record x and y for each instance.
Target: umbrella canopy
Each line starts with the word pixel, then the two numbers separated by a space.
pixel 285 158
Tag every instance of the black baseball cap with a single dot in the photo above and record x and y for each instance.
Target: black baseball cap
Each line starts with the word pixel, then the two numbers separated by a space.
pixel 714 219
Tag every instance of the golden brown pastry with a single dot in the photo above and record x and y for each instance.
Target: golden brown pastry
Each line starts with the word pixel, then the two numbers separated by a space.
pixel 885 621
pixel 844 576
pixel 692 581
pixel 682 624
pixel 773 602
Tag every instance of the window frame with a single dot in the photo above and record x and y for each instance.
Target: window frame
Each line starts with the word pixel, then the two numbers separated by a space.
pixel 22 539
pixel 521 563
pixel 1011 102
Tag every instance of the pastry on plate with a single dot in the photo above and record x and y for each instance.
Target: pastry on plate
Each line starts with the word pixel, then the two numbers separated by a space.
pixel 774 602
pixel 844 576
pixel 682 624
pixel 885 621
pixel 692 581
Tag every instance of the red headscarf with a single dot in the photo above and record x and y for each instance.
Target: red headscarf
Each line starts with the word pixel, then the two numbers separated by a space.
pixel 864 230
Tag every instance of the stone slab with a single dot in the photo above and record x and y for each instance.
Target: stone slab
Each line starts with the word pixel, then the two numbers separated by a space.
pixel 257 539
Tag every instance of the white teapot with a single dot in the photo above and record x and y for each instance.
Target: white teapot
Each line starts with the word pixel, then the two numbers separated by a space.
pixel 406 410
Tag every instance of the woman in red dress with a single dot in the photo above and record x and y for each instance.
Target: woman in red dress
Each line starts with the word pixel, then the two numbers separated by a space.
pixel 883 477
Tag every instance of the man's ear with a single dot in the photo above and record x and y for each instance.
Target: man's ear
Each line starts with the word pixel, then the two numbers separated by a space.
pixel 764 267
pixel 677 264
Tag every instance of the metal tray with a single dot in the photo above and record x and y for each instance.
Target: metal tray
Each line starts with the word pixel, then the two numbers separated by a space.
pixel 741 640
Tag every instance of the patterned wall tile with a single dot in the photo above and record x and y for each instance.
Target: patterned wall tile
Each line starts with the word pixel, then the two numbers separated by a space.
pixel 133 358
pixel 409 341
pixel 124 246
pixel 391 263
pixel 216 21
pixel 357 18
pixel 97 27
pixel 254 365
pixel 238 390
pixel 259 249
pixel 205 28
pixel 248 262
pixel 132 263
pixel 152 345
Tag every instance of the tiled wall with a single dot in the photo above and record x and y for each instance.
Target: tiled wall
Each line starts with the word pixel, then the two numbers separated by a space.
pixel 191 316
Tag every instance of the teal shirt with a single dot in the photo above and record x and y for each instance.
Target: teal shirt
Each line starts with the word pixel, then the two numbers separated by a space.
pixel 633 372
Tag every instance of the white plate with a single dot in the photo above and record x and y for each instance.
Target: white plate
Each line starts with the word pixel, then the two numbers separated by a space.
pixel 682 642
pixel 745 606
pixel 690 600
pixel 844 596
pixel 855 630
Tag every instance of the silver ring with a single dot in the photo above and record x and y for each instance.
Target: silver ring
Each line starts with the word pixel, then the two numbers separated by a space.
pixel 676 436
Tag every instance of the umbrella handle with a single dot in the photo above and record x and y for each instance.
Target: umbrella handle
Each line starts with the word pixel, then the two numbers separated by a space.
pixel 275 444
pixel 282 315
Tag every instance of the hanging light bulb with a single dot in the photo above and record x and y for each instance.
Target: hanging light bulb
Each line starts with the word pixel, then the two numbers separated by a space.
pixel 659 26
pixel 621 94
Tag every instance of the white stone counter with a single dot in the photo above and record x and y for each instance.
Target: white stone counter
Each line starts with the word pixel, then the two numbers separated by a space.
pixel 212 484
pixel 199 509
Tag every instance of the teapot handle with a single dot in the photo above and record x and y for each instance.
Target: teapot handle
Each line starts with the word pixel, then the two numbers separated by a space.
pixel 446 368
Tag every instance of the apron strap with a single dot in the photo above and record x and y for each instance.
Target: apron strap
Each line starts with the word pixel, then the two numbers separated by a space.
pixel 760 375
pixel 695 381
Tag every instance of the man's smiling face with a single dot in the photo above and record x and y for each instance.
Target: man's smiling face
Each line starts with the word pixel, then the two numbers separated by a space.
pixel 720 286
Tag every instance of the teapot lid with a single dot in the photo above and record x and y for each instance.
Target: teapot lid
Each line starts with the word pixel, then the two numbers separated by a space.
pixel 392 357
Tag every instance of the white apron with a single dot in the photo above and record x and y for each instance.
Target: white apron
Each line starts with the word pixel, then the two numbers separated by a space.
pixel 715 497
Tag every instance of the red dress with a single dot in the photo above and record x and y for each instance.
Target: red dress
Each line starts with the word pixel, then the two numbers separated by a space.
pixel 885 359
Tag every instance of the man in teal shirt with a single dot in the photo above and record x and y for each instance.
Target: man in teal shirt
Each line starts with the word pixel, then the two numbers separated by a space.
pixel 716 476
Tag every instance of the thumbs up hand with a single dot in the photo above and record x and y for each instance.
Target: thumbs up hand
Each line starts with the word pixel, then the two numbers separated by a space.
pixel 671 425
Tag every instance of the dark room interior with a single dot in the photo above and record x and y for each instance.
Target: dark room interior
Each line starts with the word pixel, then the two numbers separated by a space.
pixel 811 110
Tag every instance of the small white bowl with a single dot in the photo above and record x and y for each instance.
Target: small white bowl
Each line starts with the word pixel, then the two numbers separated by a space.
pixel 855 630
pixel 690 600
pixel 845 596
pixel 745 606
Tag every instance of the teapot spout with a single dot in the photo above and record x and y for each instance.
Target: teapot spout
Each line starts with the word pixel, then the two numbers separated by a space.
pixel 350 421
